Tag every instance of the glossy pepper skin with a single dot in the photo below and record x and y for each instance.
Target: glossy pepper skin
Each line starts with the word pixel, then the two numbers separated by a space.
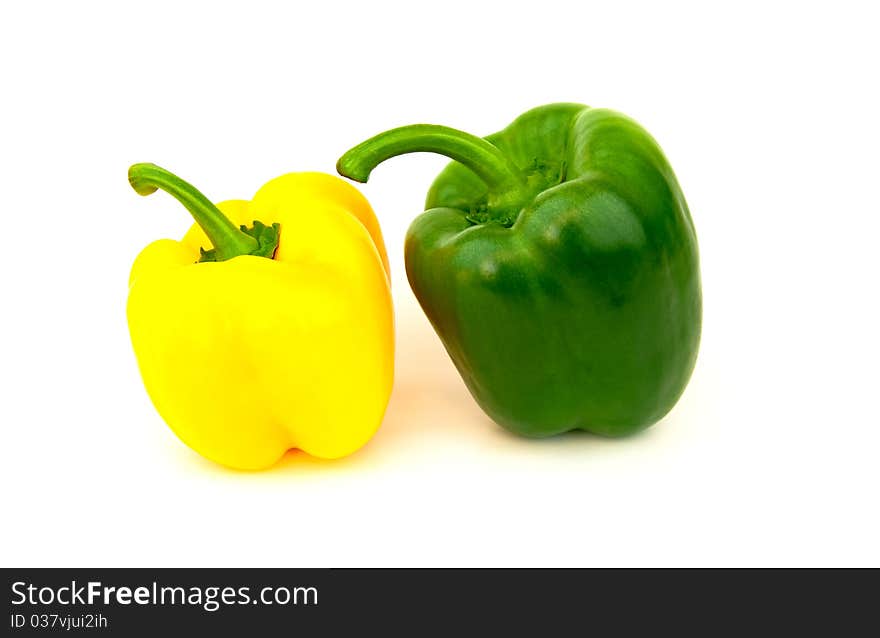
pixel 279 337
pixel 558 263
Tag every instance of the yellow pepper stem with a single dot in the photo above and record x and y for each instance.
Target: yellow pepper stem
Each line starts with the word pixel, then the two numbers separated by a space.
pixel 228 241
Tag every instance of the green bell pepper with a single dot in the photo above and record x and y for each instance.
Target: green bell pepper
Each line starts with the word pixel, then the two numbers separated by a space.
pixel 558 263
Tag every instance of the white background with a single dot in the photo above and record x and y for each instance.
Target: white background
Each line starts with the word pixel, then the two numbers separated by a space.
pixel 767 111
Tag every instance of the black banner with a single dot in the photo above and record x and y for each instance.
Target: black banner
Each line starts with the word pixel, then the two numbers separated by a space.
pixel 245 602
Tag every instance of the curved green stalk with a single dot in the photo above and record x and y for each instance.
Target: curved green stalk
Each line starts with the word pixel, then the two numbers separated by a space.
pixel 505 182
pixel 228 240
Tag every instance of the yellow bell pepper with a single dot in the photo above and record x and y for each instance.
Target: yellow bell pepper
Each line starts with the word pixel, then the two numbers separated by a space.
pixel 281 336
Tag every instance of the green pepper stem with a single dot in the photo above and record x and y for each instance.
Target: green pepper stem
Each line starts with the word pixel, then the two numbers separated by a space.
pixel 228 240
pixel 504 180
